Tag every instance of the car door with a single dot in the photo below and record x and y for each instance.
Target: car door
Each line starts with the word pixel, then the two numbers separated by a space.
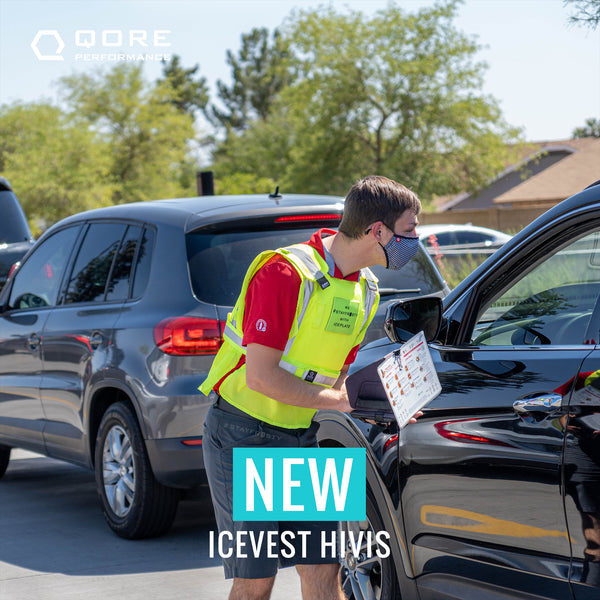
pixel 77 338
pixel 26 304
pixel 482 492
pixel 582 476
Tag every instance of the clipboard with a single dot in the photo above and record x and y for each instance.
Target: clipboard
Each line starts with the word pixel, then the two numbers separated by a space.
pixel 402 383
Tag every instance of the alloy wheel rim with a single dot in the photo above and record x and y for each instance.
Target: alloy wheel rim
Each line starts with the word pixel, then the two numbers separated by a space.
pixel 362 570
pixel 118 471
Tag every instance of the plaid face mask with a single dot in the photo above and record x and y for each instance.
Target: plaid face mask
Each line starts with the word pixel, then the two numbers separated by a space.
pixel 399 250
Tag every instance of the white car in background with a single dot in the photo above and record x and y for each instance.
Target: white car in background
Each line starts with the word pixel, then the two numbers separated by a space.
pixel 461 239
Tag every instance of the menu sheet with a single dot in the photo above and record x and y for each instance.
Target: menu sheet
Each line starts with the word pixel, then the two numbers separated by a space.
pixel 409 378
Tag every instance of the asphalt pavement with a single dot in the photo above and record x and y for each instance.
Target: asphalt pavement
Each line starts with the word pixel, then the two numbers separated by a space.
pixel 55 544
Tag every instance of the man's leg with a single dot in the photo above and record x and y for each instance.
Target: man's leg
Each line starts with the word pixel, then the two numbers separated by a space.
pixel 321 582
pixel 251 589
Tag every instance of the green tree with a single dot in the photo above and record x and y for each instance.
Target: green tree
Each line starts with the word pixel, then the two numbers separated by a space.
pixel 587 12
pixel 398 94
pixel 244 183
pixel 590 129
pixel 147 136
pixel 56 167
pixel 183 90
pixel 259 72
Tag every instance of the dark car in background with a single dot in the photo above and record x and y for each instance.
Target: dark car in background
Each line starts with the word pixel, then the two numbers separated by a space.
pixel 112 322
pixel 15 235
pixel 495 491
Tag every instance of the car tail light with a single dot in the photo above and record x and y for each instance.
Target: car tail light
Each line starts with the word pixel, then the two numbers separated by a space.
pixel 319 217
pixel 390 442
pixel 192 442
pixel 181 336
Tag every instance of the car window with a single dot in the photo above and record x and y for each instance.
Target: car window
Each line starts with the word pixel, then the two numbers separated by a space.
pixel 446 238
pixel 144 259
pixel 118 286
pixel 473 237
pixel 552 304
pixel 219 261
pixel 94 260
pixel 38 280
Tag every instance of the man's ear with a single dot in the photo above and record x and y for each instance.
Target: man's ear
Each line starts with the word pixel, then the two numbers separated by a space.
pixel 375 230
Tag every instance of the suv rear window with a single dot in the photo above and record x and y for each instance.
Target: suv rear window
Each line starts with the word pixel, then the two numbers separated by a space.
pixel 219 261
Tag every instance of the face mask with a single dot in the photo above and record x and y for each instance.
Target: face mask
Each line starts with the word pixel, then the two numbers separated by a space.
pixel 399 250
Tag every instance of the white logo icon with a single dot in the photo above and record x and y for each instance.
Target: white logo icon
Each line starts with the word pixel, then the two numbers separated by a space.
pixel 261 325
pixel 59 41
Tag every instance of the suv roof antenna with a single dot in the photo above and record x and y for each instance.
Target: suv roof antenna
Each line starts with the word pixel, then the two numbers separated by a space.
pixel 275 195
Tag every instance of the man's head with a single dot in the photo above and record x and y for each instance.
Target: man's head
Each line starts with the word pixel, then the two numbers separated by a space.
pixel 376 199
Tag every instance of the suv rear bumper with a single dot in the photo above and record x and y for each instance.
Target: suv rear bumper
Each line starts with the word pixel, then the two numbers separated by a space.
pixel 175 464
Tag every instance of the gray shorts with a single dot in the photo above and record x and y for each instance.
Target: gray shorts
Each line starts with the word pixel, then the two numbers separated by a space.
pixel 225 430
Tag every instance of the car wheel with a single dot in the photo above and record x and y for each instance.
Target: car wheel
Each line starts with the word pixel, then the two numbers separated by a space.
pixel 4 458
pixel 135 504
pixel 367 576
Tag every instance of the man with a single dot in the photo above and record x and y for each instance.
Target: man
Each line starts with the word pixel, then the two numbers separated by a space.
pixel 289 341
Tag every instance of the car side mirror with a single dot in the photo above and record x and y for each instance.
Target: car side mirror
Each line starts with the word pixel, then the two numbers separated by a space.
pixel 406 318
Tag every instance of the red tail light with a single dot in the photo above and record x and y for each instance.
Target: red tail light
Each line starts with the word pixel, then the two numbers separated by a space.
pixel 181 336
pixel 393 440
pixel 319 217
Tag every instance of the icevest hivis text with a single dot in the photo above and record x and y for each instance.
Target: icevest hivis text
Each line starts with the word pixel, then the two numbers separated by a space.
pixel 299 484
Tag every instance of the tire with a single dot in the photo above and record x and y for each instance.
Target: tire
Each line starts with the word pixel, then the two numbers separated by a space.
pixel 135 505
pixel 4 458
pixel 364 577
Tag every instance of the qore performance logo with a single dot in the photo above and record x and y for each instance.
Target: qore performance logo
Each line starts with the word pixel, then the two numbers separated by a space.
pixel 108 45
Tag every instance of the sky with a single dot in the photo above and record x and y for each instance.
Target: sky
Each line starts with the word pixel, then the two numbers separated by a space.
pixel 544 72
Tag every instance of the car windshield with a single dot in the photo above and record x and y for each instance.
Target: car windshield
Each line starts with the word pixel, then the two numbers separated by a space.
pixel 218 263
pixel 13 225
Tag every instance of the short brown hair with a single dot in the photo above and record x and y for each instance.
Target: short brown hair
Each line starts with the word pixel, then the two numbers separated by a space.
pixel 376 198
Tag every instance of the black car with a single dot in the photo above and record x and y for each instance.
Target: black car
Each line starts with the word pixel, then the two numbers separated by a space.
pixel 15 235
pixel 112 322
pixel 495 491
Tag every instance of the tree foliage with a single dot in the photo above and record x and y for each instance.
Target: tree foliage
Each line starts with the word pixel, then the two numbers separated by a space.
pixel 259 72
pixel 398 94
pixel 56 167
pixel 146 133
pixel 586 12
pixel 321 102
pixel 590 129
pixel 182 89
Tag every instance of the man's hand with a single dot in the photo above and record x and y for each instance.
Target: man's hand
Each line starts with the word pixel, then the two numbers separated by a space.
pixel 414 418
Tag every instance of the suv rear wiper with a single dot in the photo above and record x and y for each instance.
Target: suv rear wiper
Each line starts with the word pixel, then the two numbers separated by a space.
pixel 392 291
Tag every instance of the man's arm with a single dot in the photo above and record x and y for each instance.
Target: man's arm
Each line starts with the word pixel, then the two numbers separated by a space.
pixel 264 375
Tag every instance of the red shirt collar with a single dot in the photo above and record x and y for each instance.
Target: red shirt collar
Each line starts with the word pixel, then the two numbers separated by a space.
pixel 316 241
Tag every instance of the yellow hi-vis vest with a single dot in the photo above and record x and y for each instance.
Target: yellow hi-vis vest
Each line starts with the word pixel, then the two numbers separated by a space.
pixel 332 316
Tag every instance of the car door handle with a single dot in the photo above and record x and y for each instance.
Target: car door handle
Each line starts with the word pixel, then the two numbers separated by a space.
pixel 33 341
pixel 539 405
pixel 96 339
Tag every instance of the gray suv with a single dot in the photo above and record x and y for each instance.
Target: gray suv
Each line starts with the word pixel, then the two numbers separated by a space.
pixel 112 322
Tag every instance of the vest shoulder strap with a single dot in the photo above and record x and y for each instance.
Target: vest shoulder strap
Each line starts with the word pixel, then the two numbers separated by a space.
pixel 308 263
